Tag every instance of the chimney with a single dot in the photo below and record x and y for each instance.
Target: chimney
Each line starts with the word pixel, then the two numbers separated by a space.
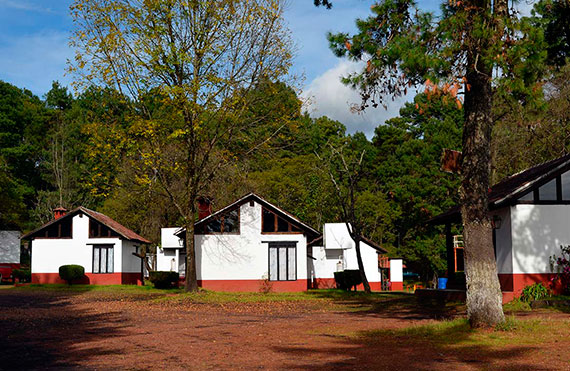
pixel 204 206
pixel 59 212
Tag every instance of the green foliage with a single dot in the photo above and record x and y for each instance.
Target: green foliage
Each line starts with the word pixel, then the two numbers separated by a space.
pixel 71 272
pixel 553 17
pixel 403 45
pixel 561 265
pixel 408 170
pixel 164 279
pixel 22 137
pixel 23 275
pixel 534 292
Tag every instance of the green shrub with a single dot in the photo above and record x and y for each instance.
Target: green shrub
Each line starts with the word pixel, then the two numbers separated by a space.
pixel 71 272
pixel 348 278
pixel 164 279
pixel 534 292
pixel 24 275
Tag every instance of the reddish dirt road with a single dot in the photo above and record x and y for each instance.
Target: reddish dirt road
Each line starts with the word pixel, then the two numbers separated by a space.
pixel 96 330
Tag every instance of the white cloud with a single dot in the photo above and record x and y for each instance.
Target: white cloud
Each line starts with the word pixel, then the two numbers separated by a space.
pixel 34 61
pixel 25 6
pixel 327 96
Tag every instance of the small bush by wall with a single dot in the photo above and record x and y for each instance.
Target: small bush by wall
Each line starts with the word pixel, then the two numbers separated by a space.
pixel 534 292
pixel 23 275
pixel 71 272
pixel 164 279
pixel 347 279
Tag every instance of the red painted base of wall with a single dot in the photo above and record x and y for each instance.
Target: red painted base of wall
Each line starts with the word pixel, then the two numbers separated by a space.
pixel 330 283
pixel 515 283
pixel 323 283
pixel 90 279
pixel 252 285
pixel 396 286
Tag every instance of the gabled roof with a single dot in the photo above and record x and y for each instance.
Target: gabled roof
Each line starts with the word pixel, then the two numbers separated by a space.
pixel 249 197
pixel 515 186
pixel 118 228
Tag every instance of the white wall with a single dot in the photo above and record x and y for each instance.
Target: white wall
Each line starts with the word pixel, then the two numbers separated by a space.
pixel 396 271
pixel 168 239
pixel 10 247
pixel 504 241
pixel 336 236
pixel 244 256
pixel 537 233
pixel 164 259
pixel 131 263
pixel 48 254
pixel 369 260
pixel 325 263
pixel 337 243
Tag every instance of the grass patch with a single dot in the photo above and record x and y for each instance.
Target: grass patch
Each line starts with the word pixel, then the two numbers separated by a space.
pixel 517 305
pixel 95 288
pixel 458 334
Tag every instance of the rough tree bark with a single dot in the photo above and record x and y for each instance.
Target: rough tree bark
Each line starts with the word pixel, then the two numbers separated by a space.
pixel 191 279
pixel 361 266
pixel 484 297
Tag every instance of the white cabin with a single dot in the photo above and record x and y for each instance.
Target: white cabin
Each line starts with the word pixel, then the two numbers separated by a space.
pixel 103 247
pixel 251 245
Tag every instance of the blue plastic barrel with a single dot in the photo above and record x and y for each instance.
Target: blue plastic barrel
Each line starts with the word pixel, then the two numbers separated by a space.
pixel 442 283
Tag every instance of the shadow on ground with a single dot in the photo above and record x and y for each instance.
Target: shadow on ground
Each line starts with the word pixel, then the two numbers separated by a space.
pixel 400 349
pixel 393 305
pixel 41 329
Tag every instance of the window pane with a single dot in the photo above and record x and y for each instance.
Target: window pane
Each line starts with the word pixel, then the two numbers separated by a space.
pixel 273 264
pixel 231 222
pixel 282 263
pixel 96 251
pixel 547 192
pixel 182 265
pixel 292 264
pixel 214 227
pixel 103 260
pixel 268 221
pixel 110 259
pixel 528 197
pixel 566 186
pixel 282 225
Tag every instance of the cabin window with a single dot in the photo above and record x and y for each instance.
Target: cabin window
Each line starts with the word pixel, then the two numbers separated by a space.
pixel 282 261
pixel 60 229
pixel 227 223
pixel 565 183
pixel 528 197
pixel 272 223
pixel 99 230
pixel 103 258
pixel 547 192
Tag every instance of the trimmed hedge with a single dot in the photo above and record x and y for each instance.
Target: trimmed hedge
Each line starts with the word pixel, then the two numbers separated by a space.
pixel 347 279
pixel 24 275
pixel 164 279
pixel 71 272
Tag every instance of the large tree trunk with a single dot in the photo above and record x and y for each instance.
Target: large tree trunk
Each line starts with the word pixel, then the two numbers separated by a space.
pixel 484 298
pixel 361 266
pixel 191 283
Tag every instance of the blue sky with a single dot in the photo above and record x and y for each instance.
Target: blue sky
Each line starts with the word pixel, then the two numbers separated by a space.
pixel 34 36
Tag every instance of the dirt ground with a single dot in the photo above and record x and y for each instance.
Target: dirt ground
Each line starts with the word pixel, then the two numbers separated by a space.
pixel 53 329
